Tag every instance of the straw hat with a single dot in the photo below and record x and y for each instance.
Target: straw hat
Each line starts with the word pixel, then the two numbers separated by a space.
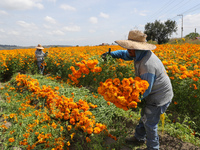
pixel 39 46
pixel 136 40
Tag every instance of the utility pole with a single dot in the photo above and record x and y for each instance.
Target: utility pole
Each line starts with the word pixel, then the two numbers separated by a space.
pixel 182 25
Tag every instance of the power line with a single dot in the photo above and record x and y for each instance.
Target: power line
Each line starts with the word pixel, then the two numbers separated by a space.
pixel 181 5
pixel 161 9
pixel 174 6
pixel 191 8
pixel 194 8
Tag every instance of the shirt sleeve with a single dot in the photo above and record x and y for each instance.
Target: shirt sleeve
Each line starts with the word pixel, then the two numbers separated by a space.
pixel 123 54
pixel 150 78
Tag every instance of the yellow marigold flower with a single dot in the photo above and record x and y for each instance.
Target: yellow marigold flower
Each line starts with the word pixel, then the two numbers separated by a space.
pixel 61 128
pixel 12 115
pixel 72 135
pixel 68 143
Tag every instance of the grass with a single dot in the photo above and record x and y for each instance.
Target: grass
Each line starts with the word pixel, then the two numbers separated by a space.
pixel 119 123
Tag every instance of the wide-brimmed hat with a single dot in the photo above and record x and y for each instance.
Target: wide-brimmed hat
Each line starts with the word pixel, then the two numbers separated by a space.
pixel 39 46
pixel 136 40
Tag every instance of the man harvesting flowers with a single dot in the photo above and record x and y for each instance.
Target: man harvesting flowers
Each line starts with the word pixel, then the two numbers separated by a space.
pixel 39 54
pixel 159 94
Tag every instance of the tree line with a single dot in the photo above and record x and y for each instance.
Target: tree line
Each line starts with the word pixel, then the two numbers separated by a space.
pixel 161 31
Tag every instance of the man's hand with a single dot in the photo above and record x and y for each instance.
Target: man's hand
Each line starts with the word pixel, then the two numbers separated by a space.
pixel 104 56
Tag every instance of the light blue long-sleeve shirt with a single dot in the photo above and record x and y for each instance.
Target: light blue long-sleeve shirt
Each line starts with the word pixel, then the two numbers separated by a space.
pixel 149 67
pixel 149 77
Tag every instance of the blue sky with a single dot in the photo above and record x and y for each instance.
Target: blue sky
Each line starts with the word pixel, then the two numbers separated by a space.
pixel 88 22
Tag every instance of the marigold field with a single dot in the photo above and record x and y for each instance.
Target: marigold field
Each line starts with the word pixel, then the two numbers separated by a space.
pixel 80 93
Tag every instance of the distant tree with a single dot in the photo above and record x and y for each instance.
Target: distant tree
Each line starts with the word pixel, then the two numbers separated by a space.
pixel 159 31
pixel 192 35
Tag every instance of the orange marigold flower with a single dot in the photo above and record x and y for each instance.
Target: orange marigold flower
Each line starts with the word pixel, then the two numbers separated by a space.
pixel 97 130
pixel 195 87
pixel 72 121
pixel 116 81
pixel 88 139
pixel 54 125
pixel 183 76
pixel 11 140
pixel 132 104
pixel 89 130
pixel 125 82
pixel 69 127
pixel 195 79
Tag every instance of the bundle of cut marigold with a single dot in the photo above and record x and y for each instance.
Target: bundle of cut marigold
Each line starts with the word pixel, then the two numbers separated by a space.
pixel 124 94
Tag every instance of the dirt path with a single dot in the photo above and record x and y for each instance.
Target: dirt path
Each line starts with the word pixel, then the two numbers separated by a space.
pixel 167 142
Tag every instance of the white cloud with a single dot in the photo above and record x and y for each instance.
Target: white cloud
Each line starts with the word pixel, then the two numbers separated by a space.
pixel 141 13
pixel 47 26
pixel 2 12
pixel 93 20
pixel 2 30
pixel 20 4
pixel 92 31
pixel 192 19
pixel 52 1
pixel 67 7
pixel 50 20
pixel 112 32
pixel 72 28
pixel 13 33
pixel 190 22
pixel 56 32
pixel 26 25
pixel 104 15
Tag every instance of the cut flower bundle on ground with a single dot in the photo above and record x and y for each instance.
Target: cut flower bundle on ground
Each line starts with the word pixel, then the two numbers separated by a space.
pixel 124 94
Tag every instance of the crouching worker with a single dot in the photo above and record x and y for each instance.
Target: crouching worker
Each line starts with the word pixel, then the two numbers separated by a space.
pixel 39 54
pixel 159 94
